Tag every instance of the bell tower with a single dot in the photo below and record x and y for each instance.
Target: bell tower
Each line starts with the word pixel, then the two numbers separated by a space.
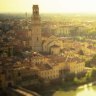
pixel 36 39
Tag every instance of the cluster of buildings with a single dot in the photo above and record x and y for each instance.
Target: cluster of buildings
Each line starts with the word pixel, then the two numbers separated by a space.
pixel 37 68
pixel 58 55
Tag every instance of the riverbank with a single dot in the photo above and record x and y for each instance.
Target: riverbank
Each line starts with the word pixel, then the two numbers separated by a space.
pixel 49 90
pixel 84 91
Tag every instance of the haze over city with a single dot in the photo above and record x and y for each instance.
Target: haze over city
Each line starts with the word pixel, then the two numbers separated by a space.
pixel 48 6
pixel 47 47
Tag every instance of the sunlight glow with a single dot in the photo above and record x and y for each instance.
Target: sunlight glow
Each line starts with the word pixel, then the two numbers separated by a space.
pixel 49 6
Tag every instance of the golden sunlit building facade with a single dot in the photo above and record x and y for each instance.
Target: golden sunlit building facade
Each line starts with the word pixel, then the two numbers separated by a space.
pixel 76 66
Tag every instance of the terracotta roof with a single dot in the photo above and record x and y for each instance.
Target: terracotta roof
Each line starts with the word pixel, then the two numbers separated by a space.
pixel 55 46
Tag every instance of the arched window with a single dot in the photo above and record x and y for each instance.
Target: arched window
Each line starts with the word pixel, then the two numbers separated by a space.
pixel 37 38
pixel 9 84
pixel 9 77
pixel 19 74
pixel 0 82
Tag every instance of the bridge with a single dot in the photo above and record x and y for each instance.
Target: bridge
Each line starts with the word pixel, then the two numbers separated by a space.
pixel 20 91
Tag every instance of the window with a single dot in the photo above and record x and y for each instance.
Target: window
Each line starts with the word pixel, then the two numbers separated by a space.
pixel 19 74
pixel 36 12
pixel 9 77
pixel 0 82
pixel 37 38
pixel 9 84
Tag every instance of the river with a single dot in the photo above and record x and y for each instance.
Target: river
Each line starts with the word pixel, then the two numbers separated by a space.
pixel 86 90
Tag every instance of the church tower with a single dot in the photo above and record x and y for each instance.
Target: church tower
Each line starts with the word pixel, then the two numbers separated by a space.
pixel 36 30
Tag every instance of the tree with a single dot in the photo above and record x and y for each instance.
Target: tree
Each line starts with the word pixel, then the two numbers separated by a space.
pixel 92 62
pixel 69 76
pixel 81 52
pixel 88 76
pixel 94 73
pixel 76 80
pixel 88 63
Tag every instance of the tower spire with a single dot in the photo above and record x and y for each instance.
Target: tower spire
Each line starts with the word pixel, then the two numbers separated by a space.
pixel 36 29
pixel 26 18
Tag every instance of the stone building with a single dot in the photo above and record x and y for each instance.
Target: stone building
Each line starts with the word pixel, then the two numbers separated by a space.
pixel 36 38
pixel 51 44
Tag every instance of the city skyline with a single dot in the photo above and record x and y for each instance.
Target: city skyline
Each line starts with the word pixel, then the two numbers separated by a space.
pixel 48 6
pixel 47 54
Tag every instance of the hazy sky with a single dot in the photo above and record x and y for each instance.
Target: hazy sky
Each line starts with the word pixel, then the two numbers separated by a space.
pixel 49 6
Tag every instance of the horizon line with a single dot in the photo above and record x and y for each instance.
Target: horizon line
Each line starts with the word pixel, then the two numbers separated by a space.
pixel 48 13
